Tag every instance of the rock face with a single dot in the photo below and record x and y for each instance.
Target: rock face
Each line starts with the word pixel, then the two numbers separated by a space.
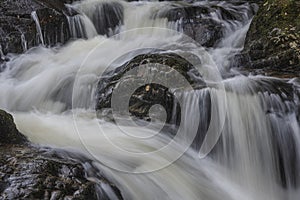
pixel 15 20
pixel 146 96
pixel 18 30
pixel 59 6
pixel 8 131
pixel 29 23
pixel 28 172
pixel 273 41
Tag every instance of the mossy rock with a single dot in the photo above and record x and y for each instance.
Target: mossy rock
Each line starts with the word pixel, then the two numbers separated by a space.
pixel 273 40
pixel 8 131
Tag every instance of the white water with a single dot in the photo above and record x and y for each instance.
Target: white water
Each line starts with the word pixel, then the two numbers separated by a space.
pixel 51 94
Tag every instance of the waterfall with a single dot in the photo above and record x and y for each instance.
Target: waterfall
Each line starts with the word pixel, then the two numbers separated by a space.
pixel 38 27
pixel 239 135
pixel 24 43
pixel 81 27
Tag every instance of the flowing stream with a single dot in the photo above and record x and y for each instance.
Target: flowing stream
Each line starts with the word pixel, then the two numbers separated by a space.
pixel 254 119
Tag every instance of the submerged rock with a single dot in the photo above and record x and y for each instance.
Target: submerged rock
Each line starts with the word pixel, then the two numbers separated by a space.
pixel 28 172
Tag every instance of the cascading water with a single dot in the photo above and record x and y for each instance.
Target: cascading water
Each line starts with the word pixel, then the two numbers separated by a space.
pixel 51 93
pixel 38 27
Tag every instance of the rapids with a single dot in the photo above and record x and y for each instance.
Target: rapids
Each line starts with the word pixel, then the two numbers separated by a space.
pixel 253 140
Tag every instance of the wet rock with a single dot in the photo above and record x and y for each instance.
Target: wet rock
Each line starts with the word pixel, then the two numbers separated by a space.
pixel 54 27
pixel 15 20
pixel 146 96
pixel 8 131
pixel 204 30
pixel 59 6
pixel 29 172
pixel 18 30
pixel 107 17
pixel 272 43
pixel 204 23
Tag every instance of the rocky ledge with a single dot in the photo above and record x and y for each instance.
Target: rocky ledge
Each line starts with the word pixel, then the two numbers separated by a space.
pixel 273 42
pixel 18 30
pixel 28 172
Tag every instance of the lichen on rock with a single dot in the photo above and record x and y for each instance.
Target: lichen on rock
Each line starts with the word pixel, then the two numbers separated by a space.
pixel 273 41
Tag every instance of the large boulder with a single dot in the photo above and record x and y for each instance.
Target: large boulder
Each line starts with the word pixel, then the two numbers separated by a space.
pixel 273 42
pixel 146 96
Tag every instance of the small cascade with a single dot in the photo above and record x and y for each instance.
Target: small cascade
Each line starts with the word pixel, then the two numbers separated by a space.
pixel 2 56
pixel 107 17
pixel 38 28
pixel 96 18
pixel 24 43
pixel 81 27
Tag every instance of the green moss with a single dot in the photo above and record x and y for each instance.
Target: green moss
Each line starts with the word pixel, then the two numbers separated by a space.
pixel 276 14
pixel 276 31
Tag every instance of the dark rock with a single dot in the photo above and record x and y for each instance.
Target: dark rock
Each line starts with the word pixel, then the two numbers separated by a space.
pixel 18 30
pixel 28 172
pixel 205 23
pixel 204 30
pixel 54 26
pixel 15 20
pixel 59 6
pixel 8 131
pixel 272 43
pixel 151 94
